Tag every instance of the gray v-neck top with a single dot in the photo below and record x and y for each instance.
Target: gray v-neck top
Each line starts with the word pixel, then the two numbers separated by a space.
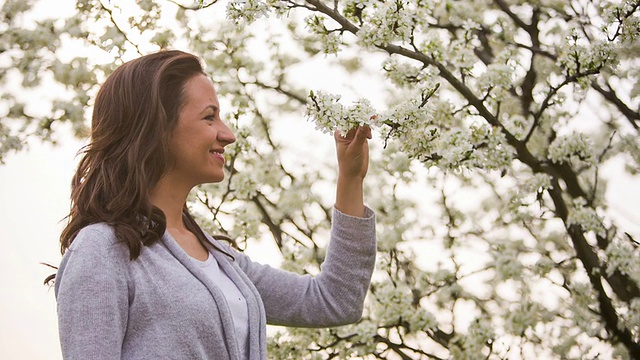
pixel 236 301
pixel 163 306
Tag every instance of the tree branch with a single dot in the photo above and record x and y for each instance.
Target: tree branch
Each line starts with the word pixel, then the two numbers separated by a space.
pixel 591 263
pixel 115 24
pixel 552 92
pixel 610 95
pixel 194 7
pixel 267 220
pixel 505 8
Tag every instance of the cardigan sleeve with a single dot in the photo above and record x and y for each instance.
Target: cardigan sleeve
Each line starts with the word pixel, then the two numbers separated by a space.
pixel 92 296
pixel 336 295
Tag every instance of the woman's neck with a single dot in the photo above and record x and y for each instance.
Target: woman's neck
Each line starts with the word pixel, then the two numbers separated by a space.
pixel 170 198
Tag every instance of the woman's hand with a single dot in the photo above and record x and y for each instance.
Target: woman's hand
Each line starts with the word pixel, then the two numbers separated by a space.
pixel 353 152
pixel 353 163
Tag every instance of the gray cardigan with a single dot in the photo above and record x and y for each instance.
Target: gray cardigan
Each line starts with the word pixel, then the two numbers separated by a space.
pixel 163 306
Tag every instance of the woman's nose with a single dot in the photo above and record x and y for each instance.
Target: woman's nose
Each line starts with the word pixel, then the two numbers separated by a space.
pixel 226 136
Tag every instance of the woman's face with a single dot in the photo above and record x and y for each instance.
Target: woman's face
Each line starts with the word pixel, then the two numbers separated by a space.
pixel 198 140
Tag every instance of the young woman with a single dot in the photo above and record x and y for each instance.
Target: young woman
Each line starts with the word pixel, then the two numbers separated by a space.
pixel 139 279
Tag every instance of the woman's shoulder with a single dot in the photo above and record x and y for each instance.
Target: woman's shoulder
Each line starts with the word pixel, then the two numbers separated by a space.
pixel 95 253
pixel 98 236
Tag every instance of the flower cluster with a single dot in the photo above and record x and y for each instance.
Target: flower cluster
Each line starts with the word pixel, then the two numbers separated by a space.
pixel 394 303
pixel 403 74
pixel 329 115
pixel 8 142
pixel 527 192
pixel 632 315
pixel 623 256
pixel 576 149
pixel 469 346
pixel 579 59
pixel 630 145
pixel 583 297
pixel 329 40
pixel 246 11
pixel 525 315
pixel 506 260
pixel 390 21
pixel 586 217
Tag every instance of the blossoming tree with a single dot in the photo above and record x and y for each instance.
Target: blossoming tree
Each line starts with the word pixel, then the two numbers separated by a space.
pixel 496 239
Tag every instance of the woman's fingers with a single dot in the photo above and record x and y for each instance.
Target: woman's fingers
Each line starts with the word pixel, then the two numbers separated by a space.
pixel 353 151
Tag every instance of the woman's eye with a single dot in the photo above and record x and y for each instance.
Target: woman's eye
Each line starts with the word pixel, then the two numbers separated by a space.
pixel 210 117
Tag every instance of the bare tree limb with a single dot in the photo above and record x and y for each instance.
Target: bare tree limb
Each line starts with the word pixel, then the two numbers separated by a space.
pixel 610 95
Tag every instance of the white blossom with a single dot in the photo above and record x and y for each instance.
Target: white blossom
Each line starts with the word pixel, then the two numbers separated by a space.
pixel 470 346
pixel 622 255
pixel 524 316
pixel 390 21
pixel 586 217
pixel 329 115
pixel 246 11
pixel 330 40
pixel 576 149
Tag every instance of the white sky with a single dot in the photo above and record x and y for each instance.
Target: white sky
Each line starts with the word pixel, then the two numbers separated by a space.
pixel 34 194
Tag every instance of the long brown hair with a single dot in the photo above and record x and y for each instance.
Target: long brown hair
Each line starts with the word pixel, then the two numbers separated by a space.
pixel 134 113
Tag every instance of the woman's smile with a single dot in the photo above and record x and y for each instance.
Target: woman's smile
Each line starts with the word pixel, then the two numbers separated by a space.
pixel 218 154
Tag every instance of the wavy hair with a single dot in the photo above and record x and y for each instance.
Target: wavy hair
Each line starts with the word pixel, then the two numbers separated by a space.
pixel 134 114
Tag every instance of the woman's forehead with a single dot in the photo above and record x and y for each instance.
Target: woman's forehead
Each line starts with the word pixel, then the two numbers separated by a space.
pixel 201 93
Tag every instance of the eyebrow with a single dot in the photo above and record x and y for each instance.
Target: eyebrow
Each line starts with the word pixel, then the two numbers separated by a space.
pixel 212 107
